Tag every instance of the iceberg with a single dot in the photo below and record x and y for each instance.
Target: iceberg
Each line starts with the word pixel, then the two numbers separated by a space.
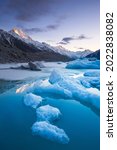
pixel 78 91
pixel 50 132
pixel 54 77
pixel 45 90
pixel 48 113
pixel 65 87
pixel 83 64
pixel 32 100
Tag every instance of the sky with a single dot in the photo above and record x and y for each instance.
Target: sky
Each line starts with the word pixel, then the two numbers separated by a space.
pixel 73 24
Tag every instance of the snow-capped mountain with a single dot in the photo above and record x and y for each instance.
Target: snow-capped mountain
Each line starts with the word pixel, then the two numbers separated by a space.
pixel 44 46
pixel 17 46
pixel 19 33
pixel 13 48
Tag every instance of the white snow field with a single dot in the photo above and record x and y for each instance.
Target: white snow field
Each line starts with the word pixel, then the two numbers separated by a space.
pixel 84 64
pixel 32 100
pixel 49 131
pixel 48 113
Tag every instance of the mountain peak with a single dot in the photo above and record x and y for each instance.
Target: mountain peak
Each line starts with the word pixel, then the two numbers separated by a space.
pixel 20 33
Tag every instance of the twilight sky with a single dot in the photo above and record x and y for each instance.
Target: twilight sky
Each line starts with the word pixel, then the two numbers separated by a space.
pixel 73 24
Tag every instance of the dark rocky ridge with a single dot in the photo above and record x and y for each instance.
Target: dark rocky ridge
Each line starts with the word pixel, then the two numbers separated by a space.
pixel 96 54
pixel 12 49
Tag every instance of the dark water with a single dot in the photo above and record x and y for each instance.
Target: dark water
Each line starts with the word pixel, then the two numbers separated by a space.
pixel 80 123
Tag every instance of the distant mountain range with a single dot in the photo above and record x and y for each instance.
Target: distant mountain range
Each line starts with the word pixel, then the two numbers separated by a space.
pixel 17 46
pixel 95 54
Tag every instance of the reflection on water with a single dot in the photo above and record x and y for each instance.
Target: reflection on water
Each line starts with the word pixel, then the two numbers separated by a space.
pixel 7 84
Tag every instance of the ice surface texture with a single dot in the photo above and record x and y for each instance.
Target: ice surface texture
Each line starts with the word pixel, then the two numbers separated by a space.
pixel 49 131
pixel 48 113
pixel 32 100
pixel 92 73
pixel 68 88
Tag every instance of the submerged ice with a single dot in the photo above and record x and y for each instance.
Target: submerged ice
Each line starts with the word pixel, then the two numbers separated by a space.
pixel 32 100
pixel 49 131
pixel 48 113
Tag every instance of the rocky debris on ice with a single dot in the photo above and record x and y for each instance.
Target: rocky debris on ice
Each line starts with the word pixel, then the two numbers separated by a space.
pixel 34 66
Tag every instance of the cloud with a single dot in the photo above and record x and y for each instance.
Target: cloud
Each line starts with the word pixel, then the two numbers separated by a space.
pixel 52 27
pixel 79 48
pixel 44 29
pixel 47 28
pixel 34 30
pixel 63 43
pixel 67 40
pixel 28 10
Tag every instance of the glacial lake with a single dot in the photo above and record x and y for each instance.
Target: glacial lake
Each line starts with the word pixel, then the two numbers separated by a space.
pixel 81 124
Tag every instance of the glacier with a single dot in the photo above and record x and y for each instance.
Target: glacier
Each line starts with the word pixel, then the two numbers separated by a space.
pixel 48 113
pixel 32 100
pixel 83 64
pixel 49 131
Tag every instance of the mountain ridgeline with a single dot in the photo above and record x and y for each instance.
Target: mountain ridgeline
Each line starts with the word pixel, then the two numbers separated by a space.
pixel 17 46
pixel 95 54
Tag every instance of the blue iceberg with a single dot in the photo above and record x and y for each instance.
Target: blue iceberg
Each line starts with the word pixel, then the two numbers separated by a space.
pixel 32 100
pixel 83 64
pixel 48 113
pixel 50 132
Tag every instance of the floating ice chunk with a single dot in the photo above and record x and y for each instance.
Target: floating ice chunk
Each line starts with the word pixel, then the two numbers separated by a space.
pixel 79 92
pixel 32 100
pixel 92 73
pixel 65 87
pixel 48 113
pixel 54 77
pixel 45 89
pixel 83 64
pixel 22 88
pixel 50 132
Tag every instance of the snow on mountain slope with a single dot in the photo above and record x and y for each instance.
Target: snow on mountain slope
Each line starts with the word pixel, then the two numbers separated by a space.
pixel 18 33
pixel 17 38
pixel 14 48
